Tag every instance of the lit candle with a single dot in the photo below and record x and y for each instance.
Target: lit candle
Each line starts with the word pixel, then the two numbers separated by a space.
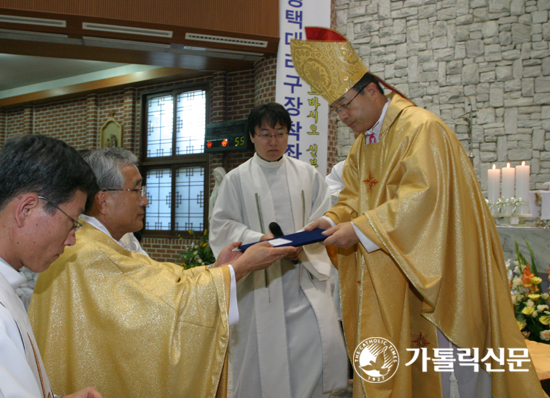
pixel 508 177
pixel 493 188
pixel 522 185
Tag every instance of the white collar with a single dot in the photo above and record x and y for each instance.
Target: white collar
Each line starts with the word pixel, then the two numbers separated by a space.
pixel 128 246
pixel 265 163
pixel 14 277
pixel 375 130
pixel 96 223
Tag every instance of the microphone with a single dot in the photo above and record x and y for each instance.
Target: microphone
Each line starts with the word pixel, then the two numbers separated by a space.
pixel 276 230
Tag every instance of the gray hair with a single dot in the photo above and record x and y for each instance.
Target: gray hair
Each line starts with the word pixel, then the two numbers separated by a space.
pixel 107 164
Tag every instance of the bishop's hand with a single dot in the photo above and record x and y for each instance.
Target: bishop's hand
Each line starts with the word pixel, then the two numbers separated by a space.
pixel 342 235
pixel 322 223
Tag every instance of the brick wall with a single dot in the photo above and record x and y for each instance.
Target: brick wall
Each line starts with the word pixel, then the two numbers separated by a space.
pixel 3 127
pixel 266 76
pixel 66 121
pixel 15 123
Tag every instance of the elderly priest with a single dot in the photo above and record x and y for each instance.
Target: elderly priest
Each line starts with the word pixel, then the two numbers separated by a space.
pixel 135 327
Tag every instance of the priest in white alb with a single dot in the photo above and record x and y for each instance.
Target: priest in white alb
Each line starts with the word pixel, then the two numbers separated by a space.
pixel 288 341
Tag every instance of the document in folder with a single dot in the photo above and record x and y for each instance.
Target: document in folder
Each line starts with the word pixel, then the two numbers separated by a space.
pixel 296 239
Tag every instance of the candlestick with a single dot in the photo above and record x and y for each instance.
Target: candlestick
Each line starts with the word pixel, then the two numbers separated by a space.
pixel 508 176
pixel 522 186
pixel 493 187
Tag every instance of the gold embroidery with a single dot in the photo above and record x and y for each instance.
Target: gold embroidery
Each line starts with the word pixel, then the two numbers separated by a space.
pixel 49 395
pixel 371 181
pixel 331 68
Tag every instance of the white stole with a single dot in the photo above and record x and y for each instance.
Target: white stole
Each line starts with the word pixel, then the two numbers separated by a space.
pixel 268 302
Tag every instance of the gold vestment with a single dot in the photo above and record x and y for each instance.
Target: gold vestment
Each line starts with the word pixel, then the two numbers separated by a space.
pixel 441 265
pixel 128 325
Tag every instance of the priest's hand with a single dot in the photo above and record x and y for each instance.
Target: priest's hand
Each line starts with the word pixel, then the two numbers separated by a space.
pixel 88 392
pixel 295 256
pixel 227 255
pixel 342 235
pixel 260 256
pixel 322 223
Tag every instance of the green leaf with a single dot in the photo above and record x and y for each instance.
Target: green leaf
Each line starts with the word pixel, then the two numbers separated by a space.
pixel 519 256
pixel 532 266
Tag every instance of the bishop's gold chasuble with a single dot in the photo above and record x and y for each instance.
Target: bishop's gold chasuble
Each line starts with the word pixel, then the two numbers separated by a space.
pixel 130 326
pixel 440 265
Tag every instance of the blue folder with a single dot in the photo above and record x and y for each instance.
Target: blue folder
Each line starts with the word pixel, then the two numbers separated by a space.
pixel 296 239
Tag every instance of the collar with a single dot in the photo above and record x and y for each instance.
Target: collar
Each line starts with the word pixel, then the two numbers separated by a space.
pixel 97 224
pixel 14 277
pixel 270 165
pixel 372 135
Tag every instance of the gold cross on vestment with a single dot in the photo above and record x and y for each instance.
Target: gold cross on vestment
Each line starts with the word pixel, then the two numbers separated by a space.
pixel 421 341
pixel 371 181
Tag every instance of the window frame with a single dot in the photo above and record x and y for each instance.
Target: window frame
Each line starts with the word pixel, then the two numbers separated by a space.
pixel 173 161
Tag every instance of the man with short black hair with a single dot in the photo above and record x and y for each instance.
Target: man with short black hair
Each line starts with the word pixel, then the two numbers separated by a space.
pixel 289 339
pixel 43 188
pixel 136 327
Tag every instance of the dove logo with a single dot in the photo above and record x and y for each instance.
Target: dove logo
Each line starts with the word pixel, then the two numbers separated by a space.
pixel 375 360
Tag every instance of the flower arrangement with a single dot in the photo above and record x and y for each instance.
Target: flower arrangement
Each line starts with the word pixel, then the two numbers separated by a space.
pixel 531 305
pixel 197 254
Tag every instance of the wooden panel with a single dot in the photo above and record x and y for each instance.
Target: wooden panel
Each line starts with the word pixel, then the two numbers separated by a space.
pixel 160 58
pixel 249 17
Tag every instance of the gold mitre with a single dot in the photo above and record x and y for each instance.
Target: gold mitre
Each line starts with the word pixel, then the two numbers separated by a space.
pixel 327 62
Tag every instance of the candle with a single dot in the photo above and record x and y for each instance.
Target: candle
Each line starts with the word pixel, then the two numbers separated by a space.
pixel 493 188
pixel 522 185
pixel 508 176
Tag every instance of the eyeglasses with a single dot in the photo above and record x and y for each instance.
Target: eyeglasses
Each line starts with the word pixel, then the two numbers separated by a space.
pixel 267 137
pixel 76 223
pixel 337 110
pixel 142 190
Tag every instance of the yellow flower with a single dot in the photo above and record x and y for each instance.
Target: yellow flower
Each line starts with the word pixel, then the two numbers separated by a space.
pixel 205 231
pixel 534 297
pixel 190 231
pixel 528 311
pixel 521 325
pixel 204 244
pixel 545 319
pixel 535 280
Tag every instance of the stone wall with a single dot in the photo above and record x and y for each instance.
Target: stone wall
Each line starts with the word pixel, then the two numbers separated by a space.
pixel 450 56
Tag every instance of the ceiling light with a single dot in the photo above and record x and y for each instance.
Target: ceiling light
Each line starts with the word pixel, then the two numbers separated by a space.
pixel 226 40
pixel 129 30
pixel 57 23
